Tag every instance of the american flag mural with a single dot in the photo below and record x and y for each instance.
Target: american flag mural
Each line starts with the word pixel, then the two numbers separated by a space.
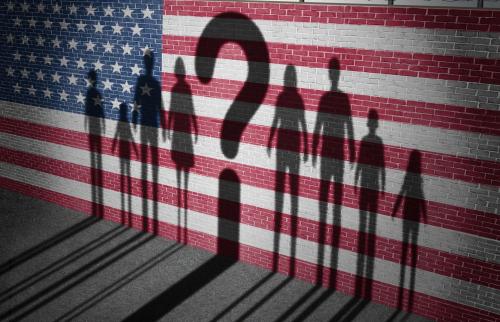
pixel 355 147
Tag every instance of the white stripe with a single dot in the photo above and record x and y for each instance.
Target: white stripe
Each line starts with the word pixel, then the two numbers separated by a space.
pixel 455 242
pixel 409 136
pixel 403 39
pixel 429 90
pixel 429 283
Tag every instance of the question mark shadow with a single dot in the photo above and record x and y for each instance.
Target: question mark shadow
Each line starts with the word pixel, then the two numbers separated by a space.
pixel 220 31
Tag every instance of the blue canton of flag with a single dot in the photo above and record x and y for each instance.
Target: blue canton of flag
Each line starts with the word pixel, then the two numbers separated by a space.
pixel 49 47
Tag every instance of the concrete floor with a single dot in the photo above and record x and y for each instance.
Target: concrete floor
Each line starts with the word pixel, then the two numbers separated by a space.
pixel 58 265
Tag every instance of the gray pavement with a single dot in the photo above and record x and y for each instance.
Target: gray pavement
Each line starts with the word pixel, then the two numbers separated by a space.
pixel 61 265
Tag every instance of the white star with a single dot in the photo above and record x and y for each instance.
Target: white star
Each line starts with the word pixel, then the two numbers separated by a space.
pixel 107 84
pixel 47 23
pixel 146 90
pixel 80 63
pixel 127 12
pixel 41 7
pixel 117 68
pixel 80 26
pixel 64 61
pixel 108 11
pixel 32 22
pixel 89 82
pixel 136 70
pixel 17 88
pixel 10 38
pixel 136 30
pixel 17 22
pixel 56 78
pixel 17 55
pixel 32 58
pixel 127 49
pixel 64 95
pixel 90 10
pixel 73 9
pixel 10 6
pixel 25 73
pixel 40 75
pixel 98 65
pixel 72 44
pixel 32 90
pixel 72 79
pixel 47 60
pixel 126 87
pixel 116 104
pixel 99 27
pixel 146 51
pixel 47 93
pixel 25 40
pixel 136 107
pixel 56 43
pixel 40 41
pixel 56 8
pixel 10 71
pixel 117 29
pixel 25 7
pixel 147 13
pixel 97 100
pixel 80 98
pixel 90 45
pixel 108 48
pixel 64 25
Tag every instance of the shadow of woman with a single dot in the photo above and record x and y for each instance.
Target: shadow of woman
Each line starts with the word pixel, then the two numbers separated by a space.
pixel 96 127
pixel 182 123
pixel 414 209
pixel 148 113
pixel 124 140
pixel 289 116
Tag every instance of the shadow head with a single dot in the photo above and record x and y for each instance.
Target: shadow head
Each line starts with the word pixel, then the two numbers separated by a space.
pixel 372 122
pixel 334 71
pixel 179 69
pixel 290 78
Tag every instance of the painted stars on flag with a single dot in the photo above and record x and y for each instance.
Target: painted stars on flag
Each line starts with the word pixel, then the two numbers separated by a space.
pixel 51 46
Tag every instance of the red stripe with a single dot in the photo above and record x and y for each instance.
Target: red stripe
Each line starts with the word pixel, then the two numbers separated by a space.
pixel 468 69
pixel 425 305
pixel 432 18
pixel 468 269
pixel 440 215
pixel 394 110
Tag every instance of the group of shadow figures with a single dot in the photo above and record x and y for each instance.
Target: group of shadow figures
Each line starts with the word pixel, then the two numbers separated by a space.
pixel 333 138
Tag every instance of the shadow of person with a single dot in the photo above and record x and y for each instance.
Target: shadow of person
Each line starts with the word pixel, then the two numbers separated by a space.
pixel 334 127
pixel 147 111
pixel 95 125
pixel 414 209
pixel 182 122
pixel 370 173
pixel 288 119
pixel 124 140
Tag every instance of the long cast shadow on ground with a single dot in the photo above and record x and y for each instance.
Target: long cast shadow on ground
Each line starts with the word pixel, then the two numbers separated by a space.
pixel 228 228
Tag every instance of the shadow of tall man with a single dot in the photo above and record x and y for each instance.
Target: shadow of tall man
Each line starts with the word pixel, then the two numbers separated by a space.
pixel 148 112
pixel 182 122
pixel 414 209
pixel 288 119
pixel 334 128
pixel 95 125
